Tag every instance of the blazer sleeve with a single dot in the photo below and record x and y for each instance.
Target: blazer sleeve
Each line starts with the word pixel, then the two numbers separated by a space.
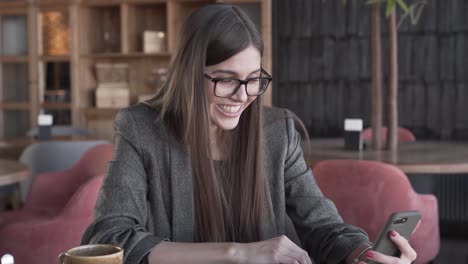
pixel 319 226
pixel 121 209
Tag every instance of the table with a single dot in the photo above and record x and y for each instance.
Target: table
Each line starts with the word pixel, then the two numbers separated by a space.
pixel 12 149
pixel 419 157
pixel 12 172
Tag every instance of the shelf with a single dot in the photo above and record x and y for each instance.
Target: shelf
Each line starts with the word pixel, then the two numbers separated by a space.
pixel 125 56
pixel 56 106
pixel 101 29
pixel 16 122
pixel 101 3
pixel 178 11
pixel 54 33
pixel 14 106
pixel 93 113
pixel 151 17
pixel 55 3
pixel 14 59
pixel 146 1
pixel 14 7
pixel 240 1
pixel 14 82
pixel 13 35
pixel 40 40
pixel 198 2
pixel 64 58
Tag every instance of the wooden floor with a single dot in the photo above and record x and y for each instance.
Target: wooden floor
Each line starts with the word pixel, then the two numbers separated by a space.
pixel 453 252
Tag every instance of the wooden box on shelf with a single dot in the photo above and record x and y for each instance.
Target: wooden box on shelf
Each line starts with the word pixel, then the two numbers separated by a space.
pixel 154 41
pixel 112 72
pixel 112 95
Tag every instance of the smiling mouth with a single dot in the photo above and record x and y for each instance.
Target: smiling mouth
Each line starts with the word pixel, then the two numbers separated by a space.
pixel 229 110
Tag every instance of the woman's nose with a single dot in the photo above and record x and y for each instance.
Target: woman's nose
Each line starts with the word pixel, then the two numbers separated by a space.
pixel 241 94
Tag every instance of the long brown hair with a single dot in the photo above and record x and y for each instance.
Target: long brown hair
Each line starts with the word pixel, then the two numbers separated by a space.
pixel 209 36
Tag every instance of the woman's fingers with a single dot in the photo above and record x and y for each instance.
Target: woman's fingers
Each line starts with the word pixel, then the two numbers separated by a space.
pixel 299 252
pixel 381 258
pixel 407 252
pixel 286 256
pixel 282 258
pixel 294 251
pixel 296 257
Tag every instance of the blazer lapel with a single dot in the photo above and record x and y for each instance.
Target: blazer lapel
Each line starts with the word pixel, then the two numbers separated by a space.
pixel 182 195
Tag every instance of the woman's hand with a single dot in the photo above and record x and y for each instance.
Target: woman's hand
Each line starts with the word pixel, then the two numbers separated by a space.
pixel 275 250
pixel 408 254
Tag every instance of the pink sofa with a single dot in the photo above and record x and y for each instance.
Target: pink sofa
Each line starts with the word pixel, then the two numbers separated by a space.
pixel 403 134
pixel 58 209
pixel 367 192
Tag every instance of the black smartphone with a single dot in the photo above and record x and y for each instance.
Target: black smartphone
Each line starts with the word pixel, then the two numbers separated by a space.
pixel 402 222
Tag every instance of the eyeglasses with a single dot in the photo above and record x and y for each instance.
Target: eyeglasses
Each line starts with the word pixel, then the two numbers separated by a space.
pixel 227 87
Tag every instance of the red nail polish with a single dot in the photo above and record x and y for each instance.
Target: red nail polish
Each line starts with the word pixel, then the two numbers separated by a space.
pixel 393 233
pixel 369 254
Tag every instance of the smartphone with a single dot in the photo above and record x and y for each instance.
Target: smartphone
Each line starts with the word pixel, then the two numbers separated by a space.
pixel 402 222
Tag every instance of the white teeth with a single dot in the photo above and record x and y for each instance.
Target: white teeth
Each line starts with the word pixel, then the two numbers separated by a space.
pixel 230 109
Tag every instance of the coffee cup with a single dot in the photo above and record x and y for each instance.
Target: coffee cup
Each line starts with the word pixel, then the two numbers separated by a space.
pixel 92 254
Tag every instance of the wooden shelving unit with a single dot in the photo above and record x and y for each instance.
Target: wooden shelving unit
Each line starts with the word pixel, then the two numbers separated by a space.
pixel 56 106
pixel 127 55
pixel 14 59
pixel 14 106
pixel 54 58
pixel 14 70
pixel 91 31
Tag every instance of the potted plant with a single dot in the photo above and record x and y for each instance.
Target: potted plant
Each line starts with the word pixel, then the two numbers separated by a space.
pixel 413 11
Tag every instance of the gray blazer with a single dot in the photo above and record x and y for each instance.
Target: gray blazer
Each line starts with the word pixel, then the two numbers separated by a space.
pixel 146 196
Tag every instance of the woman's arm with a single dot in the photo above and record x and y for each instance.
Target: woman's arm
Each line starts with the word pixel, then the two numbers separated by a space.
pixel 121 212
pixel 316 219
pixel 319 226
pixel 275 250
pixel 359 253
pixel 194 253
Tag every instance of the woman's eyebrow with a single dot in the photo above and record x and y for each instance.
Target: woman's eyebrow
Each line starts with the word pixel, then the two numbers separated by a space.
pixel 257 70
pixel 233 72
pixel 224 71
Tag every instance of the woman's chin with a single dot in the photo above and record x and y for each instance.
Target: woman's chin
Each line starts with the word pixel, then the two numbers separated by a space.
pixel 227 124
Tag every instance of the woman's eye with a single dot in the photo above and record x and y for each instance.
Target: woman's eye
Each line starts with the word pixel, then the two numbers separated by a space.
pixel 225 80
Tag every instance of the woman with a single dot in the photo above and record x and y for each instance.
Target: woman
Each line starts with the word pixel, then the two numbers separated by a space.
pixel 204 174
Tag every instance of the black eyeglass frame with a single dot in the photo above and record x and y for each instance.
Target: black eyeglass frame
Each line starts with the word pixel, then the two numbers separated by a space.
pixel 242 82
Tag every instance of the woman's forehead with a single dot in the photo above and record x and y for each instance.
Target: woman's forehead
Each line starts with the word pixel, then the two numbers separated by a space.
pixel 245 62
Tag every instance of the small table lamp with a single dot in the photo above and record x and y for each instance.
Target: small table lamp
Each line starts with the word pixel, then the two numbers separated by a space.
pixel 45 127
pixel 7 259
pixel 352 134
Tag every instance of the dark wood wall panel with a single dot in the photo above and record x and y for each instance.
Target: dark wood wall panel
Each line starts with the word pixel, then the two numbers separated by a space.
pixel 322 66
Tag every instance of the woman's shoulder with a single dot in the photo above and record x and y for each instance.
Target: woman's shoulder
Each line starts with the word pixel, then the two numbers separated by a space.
pixel 141 117
pixel 282 125
pixel 276 115
pixel 139 111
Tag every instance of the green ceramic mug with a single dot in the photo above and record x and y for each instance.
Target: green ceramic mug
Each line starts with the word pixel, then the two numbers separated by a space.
pixel 92 254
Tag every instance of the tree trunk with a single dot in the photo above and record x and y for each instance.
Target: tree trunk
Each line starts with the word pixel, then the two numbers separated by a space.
pixel 392 140
pixel 376 90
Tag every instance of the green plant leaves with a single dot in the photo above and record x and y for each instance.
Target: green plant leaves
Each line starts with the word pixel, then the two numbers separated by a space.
pixel 371 2
pixel 390 7
pixel 412 11
pixel 403 5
